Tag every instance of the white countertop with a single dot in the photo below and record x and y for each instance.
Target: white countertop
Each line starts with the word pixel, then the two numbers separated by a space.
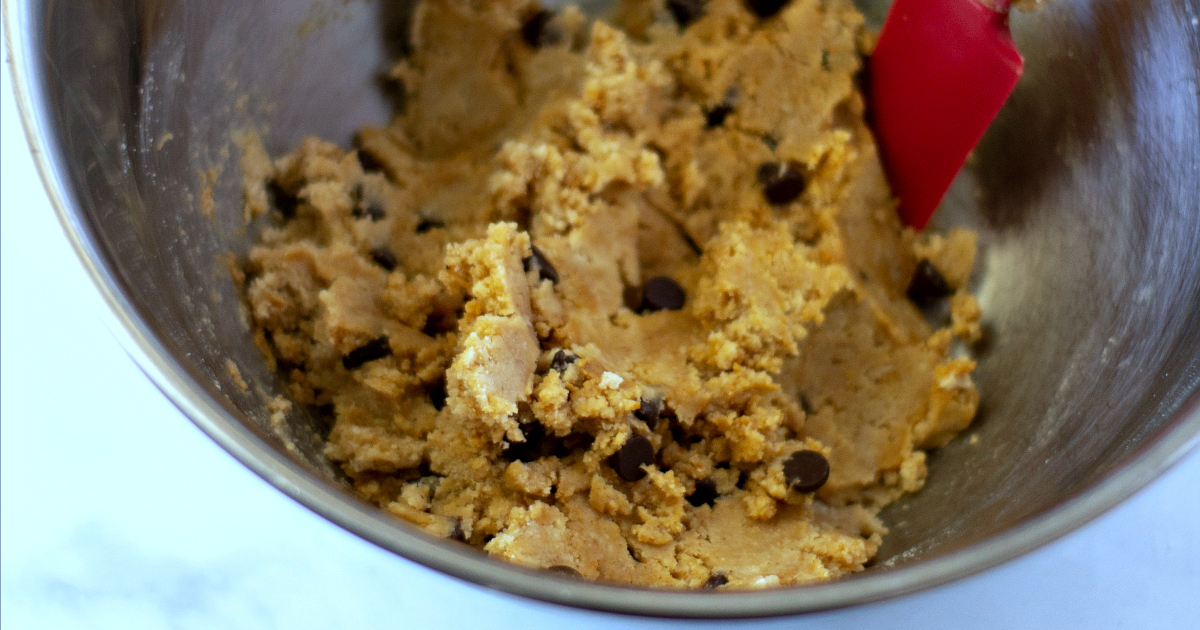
pixel 118 513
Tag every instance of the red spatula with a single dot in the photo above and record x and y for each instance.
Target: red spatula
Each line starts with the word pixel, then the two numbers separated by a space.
pixel 939 74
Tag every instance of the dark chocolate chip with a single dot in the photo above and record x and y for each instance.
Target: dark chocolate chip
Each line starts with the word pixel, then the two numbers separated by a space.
pixel 782 183
pixel 685 11
pixel 428 224
pixel 282 200
pixel 545 270
pixel 806 405
pixel 771 141
pixel 717 579
pixel 716 116
pixel 563 569
pixel 705 494
pixel 384 258
pixel 370 351
pixel 650 410
pixel 635 453
pixel 373 210
pixel 437 394
pixel 457 533
pixel 928 285
pixel 662 293
pixel 561 360
pixel 368 161
pixel 765 8
pixel 806 471
pixel 537 30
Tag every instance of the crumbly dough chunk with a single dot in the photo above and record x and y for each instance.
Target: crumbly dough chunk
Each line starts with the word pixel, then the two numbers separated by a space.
pixel 588 294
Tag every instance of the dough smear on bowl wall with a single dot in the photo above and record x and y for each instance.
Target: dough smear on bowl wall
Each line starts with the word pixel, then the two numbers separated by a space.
pixel 627 299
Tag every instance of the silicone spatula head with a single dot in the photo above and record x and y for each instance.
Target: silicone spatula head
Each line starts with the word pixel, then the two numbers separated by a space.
pixel 939 73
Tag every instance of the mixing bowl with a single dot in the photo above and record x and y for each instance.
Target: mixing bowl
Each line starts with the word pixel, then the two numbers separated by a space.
pixel 1086 194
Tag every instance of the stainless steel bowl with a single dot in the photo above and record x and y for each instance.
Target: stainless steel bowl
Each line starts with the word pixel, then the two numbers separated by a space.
pixel 1086 192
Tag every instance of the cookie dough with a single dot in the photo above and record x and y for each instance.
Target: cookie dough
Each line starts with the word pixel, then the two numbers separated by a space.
pixel 629 303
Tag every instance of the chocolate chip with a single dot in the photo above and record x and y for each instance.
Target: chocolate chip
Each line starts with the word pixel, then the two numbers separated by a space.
pixel 424 225
pixel 716 116
pixel 781 182
pixel 370 351
pixel 771 141
pixel 715 580
pixel 373 210
pixel 538 32
pixel 384 258
pixel 765 8
pixel 806 471
pixel 538 260
pixel 563 569
pixel 368 161
pixel 825 61
pixel 650 410
pixel 685 11
pixel 805 405
pixel 635 453
pixel 561 360
pixel 283 201
pixel 705 494
pixel 437 394
pixel 928 285
pixel 662 293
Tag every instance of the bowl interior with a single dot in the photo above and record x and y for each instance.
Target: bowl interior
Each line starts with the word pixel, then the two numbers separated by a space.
pixel 1086 193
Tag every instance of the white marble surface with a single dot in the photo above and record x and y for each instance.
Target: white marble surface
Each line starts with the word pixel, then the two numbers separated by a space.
pixel 118 513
